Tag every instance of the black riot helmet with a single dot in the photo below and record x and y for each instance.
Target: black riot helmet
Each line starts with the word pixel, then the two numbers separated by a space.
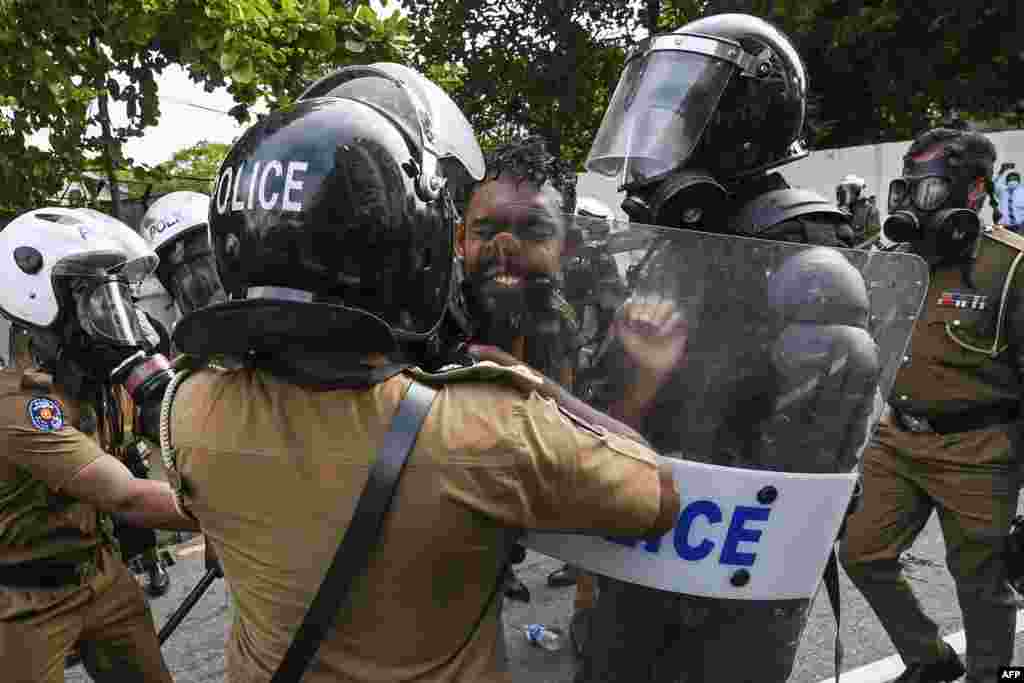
pixel 332 223
pixel 726 94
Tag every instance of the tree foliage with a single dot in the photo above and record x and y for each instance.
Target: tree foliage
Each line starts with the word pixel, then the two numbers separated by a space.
pixel 521 66
pixel 273 49
pixel 62 56
pixel 192 168
pixel 887 69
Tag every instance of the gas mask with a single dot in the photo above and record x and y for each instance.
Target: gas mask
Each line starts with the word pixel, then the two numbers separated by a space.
pixel 111 327
pixel 690 199
pixel 188 271
pixel 928 209
pixel 846 195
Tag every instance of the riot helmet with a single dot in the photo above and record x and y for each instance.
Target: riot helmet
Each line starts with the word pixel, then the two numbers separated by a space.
pixel 592 207
pixel 725 93
pixel 933 205
pixel 331 222
pixel 68 278
pixel 849 190
pixel 176 227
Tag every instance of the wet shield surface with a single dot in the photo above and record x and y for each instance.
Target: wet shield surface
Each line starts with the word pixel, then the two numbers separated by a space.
pixel 758 368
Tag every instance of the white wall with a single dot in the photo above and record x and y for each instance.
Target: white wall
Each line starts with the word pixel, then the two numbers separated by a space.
pixel 822 170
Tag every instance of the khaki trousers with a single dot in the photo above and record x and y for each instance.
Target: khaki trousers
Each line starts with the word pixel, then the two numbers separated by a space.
pixel 108 618
pixel 968 480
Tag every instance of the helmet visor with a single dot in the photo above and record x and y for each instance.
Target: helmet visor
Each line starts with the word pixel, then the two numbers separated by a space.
pixel 107 314
pixel 188 271
pixel 660 108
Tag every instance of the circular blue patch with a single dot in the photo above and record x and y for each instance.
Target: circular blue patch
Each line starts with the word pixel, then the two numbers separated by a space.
pixel 46 414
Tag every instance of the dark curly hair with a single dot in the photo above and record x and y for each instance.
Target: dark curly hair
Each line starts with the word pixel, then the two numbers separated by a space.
pixel 528 160
pixel 972 154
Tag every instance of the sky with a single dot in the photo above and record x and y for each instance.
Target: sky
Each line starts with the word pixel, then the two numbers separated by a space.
pixel 188 114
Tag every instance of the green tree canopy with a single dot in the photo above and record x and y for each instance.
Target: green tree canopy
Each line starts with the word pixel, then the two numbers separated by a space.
pixel 61 56
pixel 885 70
pixel 521 66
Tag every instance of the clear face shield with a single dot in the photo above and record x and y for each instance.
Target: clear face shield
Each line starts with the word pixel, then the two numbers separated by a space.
pixel 108 315
pixel 666 96
pixel 188 271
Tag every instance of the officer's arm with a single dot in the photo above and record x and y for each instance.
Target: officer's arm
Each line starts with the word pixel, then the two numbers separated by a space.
pixel 110 486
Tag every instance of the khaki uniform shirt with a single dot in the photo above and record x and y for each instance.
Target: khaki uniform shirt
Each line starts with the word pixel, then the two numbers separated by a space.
pixel 943 378
pixel 273 472
pixel 41 450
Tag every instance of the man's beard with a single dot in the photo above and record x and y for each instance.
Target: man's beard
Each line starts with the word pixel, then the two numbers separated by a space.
pixel 502 315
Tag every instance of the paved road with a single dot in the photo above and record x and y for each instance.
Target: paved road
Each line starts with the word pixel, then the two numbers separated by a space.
pixel 195 651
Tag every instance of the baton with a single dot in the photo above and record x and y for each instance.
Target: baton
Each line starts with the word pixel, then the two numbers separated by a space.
pixel 176 617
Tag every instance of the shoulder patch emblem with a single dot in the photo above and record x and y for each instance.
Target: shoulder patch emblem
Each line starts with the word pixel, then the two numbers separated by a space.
pixel 46 414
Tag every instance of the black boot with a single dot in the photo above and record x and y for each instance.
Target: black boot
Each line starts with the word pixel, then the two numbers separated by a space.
pixel 514 588
pixel 158 580
pixel 566 576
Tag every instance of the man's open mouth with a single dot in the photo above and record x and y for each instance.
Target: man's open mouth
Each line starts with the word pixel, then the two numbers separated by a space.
pixel 508 280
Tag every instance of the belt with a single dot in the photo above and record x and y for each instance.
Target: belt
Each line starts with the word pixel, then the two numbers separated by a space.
pixel 48 572
pixel 954 423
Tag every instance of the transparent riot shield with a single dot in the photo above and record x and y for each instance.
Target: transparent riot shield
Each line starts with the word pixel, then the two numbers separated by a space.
pixel 756 367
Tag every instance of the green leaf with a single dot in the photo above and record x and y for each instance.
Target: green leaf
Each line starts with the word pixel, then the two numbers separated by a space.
pixel 243 72
pixel 204 41
pixel 328 41
pixel 325 9
pixel 365 13
pixel 228 61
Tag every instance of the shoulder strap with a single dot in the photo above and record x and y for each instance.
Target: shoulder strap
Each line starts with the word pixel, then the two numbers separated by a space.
pixel 361 536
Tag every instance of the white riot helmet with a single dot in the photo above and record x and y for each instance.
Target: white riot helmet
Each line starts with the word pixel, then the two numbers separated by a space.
pixel 41 248
pixel 849 189
pixel 594 208
pixel 176 226
pixel 62 266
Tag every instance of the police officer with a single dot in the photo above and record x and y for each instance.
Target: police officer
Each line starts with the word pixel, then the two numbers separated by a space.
pixel 177 219
pixel 67 275
pixel 333 231
pixel 176 228
pixel 698 119
pixel 945 445
pixel 850 197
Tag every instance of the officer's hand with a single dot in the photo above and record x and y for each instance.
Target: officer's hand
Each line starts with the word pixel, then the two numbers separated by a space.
pixel 653 333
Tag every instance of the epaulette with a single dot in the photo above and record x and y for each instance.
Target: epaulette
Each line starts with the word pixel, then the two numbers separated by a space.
pixel 36 380
pixel 521 376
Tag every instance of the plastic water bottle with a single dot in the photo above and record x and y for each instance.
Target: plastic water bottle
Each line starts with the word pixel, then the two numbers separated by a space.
pixel 551 639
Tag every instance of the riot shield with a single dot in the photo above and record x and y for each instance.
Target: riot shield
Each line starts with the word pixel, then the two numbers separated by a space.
pixel 760 367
